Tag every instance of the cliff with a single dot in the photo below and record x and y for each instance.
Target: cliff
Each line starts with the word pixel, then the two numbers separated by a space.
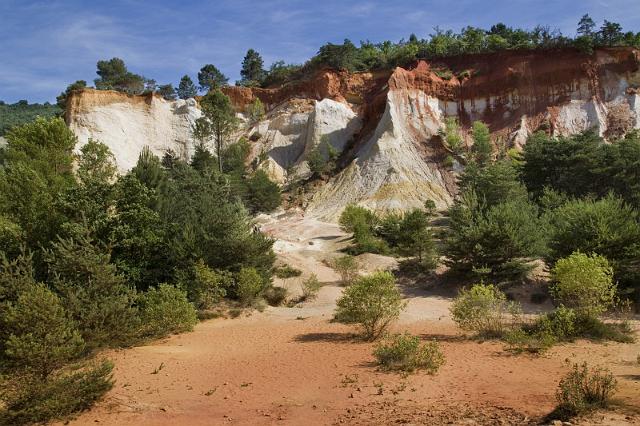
pixel 386 123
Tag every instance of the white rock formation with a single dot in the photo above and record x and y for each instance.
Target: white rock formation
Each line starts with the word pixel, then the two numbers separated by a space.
pixel 392 171
pixel 127 126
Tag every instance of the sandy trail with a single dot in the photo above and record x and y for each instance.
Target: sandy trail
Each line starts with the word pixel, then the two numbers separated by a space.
pixel 293 366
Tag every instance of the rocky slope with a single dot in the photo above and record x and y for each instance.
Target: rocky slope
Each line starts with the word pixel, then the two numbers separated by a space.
pixel 385 124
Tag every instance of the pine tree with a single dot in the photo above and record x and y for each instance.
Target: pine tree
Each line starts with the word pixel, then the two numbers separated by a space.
pixel 186 88
pixel 252 69
pixel 43 338
pixel 216 107
pixel 211 78
pixel 482 147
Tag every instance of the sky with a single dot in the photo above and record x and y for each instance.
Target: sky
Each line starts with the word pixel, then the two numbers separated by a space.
pixel 46 44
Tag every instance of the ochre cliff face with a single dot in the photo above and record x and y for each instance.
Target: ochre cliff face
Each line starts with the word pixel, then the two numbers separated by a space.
pixel 386 123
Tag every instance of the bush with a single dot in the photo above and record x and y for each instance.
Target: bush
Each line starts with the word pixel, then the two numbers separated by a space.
pixel 286 271
pixel 249 285
pixel 165 310
pixel 275 296
pixel 584 283
pixel 263 195
pixel 31 400
pixel 347 268
pixel 42 337
pixel 404 352
pixel 310 287
pixel 608 227
pixel 519 340
pixel 207 287
pixel 372 302
pixel 354 218
pixel 561 323
pixel 583 390
pixel 484 310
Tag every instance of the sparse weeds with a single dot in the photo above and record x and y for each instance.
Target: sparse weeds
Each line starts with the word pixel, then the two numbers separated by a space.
pixel 403 352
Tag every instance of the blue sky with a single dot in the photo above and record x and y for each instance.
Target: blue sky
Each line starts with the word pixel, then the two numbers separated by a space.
pixel 46 44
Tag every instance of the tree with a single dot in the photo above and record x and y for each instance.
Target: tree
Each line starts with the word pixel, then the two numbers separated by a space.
pixel 61 99
pixel 482 148
pixel 372 302
pixel 210 78
pixel 252 71
pixel 610 33
pixel 584 283
pixel 167 92
pixel 115 76
pixel 263 195
pixel 96 163
pixel 586 26
pixel 415 238
pixel 43 338
pixel 216 107
pixel 94 294
pixel 451 134
pixel 249 285
pixel 186 88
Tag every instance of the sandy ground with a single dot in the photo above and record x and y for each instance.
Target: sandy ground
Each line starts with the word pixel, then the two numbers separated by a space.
pixel 293 366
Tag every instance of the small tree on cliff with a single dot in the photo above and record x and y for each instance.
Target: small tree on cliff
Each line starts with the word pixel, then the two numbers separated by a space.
pixel 211 78
pixel 217 109
pixel 186 88
pixel 252 69
pixel 482 148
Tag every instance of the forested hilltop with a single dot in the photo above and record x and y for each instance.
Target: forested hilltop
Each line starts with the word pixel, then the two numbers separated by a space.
pixel 22 112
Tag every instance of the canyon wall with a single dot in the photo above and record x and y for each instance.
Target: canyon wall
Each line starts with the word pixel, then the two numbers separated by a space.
pixel 386 124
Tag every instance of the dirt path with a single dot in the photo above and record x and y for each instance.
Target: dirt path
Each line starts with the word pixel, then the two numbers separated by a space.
pixel 293 366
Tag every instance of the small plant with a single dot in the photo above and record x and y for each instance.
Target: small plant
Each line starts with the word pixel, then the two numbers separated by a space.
pixel 372 302
pixel 249 285
pixel 484 309
pixel 584 283
pixel 347 268
pixel 404 352
pixel 286 271
pixel 158 368
pixel 519 340
pixel 583 390
pixel 275 296
pixel 310 287
pixel 166 310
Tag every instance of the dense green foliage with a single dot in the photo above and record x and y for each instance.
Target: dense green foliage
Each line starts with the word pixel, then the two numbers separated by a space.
pixel 22 112
pixel 88 255
pixel 186 88
pixel 210 78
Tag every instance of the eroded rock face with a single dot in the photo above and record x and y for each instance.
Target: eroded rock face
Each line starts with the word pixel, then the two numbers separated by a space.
pixel 129 123
pixel 387 122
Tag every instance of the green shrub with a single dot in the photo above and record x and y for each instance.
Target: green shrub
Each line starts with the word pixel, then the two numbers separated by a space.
pixel 561 323
pixel 29 400
pixel 404 352
pixel 583 390
pixel 310 287
pixel 207 287
pixel 287 271
pixel 275 296
pixel 372 302
pixel 347 268
pixel 354 218
pixel 607 227
pixel 263 195
pixel 519 340
pixel 165 310
pixel 584 283
pixel 484 310
pixel 250 285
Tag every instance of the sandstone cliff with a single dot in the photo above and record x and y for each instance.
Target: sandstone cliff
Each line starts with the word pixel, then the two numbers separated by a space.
pixel 386 123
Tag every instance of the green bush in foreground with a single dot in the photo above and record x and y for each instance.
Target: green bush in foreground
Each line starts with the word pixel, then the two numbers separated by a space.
pixel 583 390
pixel 372 302
pixel 31 400
pixel 310 287
pixel 250 285
pixel 165 310
pixel 584 283
pixel 484 310
pixel 404 352
pixel 347 267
